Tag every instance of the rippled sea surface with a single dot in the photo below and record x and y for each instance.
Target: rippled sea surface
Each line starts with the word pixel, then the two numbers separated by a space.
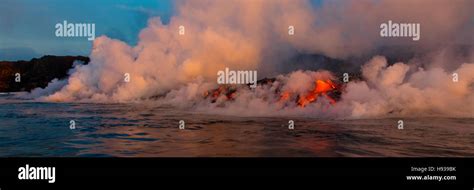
pixel 137 130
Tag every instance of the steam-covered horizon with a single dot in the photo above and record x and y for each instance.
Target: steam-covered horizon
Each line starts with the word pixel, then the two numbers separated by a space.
pixel 168 68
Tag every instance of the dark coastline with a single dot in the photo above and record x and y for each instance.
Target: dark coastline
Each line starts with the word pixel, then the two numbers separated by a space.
pixel 37 72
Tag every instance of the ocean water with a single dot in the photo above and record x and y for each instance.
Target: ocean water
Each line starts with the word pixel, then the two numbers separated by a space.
pixel 41 129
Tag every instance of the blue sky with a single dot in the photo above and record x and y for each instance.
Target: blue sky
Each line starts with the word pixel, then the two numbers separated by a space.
pixel 27 26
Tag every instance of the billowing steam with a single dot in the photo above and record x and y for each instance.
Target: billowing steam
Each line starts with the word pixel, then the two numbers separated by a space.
pixel 168 68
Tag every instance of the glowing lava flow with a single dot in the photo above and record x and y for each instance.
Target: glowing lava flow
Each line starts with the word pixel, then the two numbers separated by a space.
pixel 227 90
pixel 325 88
pixel 321 89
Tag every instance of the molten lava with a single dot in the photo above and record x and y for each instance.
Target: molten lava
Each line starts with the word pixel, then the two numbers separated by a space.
pixel 325 88
pixel 227 90
pixel 321 88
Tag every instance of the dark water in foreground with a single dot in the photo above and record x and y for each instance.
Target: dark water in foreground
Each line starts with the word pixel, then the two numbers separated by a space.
pixel 42 129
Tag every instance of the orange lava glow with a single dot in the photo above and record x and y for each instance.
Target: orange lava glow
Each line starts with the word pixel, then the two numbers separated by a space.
pixel 285 96
pixel 229 93
pixel 320 89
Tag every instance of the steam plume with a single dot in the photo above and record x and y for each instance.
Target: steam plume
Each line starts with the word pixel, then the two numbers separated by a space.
pixel 253 34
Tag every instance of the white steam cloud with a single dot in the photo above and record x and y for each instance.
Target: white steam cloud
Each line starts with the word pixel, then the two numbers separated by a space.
pixel 253 35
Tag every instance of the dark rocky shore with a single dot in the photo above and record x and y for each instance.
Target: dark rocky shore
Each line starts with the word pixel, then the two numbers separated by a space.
pixel 37 72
